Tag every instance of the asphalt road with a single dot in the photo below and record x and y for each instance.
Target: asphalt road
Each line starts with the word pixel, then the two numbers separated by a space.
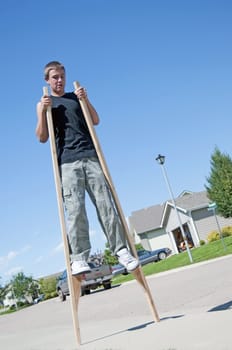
pixel 194 304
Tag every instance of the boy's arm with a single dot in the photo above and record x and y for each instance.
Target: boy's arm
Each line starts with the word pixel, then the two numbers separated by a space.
pixel 80 92
pixel 93 112
pixel 42 127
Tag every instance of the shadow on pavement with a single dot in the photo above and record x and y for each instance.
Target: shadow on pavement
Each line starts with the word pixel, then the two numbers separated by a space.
pixel 149 323
pixel 130 329
pixel 222 307
pixel 171 317
pixel 119 332
pixel 140 326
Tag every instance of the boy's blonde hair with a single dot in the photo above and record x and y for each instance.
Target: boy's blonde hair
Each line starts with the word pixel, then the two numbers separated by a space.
pixel 52 65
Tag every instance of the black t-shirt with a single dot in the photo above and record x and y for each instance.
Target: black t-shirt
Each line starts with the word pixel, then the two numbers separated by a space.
pixel 73 140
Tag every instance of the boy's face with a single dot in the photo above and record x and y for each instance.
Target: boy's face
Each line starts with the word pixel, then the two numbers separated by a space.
pixel 56 80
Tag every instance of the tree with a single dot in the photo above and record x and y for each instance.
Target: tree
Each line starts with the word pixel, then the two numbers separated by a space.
pixel 138 246
pixel 219 188
pixel 23 287
pixel 2 294
pixel 48 287
pixel 109 258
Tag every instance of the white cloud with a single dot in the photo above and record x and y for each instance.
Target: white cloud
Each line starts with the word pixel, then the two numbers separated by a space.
pixel 4 260
pixel 25 249
pixel 98 240
pixel 11 255
pixel 39 259
pixel 92 233
pixel 13 271
pixel 58 249
pixel 95 234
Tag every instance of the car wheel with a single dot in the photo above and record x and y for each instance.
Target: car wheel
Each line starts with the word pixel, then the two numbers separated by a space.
pixel 162 255
pixel 86 291
pixel 107 285
pixel 61 295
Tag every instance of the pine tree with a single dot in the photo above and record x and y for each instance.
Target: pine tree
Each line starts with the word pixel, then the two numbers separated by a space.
pixel 219 188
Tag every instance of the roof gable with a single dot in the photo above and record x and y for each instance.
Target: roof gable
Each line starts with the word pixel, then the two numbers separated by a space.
pixel 193 201
pixel 147 219
pixel 151 218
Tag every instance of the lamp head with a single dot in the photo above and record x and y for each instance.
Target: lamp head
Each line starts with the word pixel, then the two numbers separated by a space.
pixel 160 159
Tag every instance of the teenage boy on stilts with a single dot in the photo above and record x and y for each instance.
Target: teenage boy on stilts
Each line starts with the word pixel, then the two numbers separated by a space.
pixel 80 171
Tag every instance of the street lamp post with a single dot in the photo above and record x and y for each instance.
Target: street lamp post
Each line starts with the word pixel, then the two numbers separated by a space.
pixel 161 159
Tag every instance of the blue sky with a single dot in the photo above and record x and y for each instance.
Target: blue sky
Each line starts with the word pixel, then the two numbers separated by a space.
pixel 159 74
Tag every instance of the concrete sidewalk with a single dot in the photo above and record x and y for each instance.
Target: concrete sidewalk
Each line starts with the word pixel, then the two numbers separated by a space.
pixel 194 304
pixel 201 331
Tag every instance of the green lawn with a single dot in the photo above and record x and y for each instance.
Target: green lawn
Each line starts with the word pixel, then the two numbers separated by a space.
pixel 205 252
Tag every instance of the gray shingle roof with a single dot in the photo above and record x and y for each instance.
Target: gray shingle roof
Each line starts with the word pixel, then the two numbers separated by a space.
pixel 145 220
pixel 192 201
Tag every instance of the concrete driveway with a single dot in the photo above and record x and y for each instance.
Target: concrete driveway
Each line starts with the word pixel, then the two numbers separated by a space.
pixel 194 304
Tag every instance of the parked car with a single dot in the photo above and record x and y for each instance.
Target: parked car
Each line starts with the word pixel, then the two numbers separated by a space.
pixel 38 299
pixel 100 275
pixel 119 269
pixel 145 257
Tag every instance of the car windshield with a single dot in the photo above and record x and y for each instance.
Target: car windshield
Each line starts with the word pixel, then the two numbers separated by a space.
pixel 143 253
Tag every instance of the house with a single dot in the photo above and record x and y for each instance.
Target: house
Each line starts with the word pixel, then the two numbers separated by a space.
pixel 160 225
pixel 9 299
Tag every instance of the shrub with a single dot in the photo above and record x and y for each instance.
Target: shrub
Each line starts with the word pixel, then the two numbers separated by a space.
pixel 48 287
pixel 202 242
pixel 50 295
pixel 22 303
pixel 225 234
pixel 213 236
pixel 227 231
pixel 12 307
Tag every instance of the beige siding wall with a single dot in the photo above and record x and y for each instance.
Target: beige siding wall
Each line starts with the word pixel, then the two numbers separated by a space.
pixel 173 221
pixel 161 241
pixel 156 239
pixel 145 242
pixel 205 222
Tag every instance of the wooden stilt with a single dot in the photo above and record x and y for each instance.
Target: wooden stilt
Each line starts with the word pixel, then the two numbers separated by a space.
pixel 73 282
pixel 139 276
pixel 76 280
pixel 138 273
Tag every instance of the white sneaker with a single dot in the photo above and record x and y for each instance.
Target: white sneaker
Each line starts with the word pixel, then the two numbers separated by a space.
pixel 127 260
pixel 80 266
